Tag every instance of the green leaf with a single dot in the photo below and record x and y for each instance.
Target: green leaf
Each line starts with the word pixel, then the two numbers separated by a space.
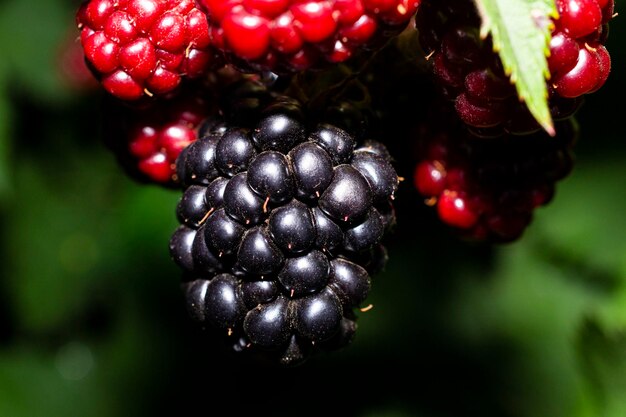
pixel 603 360
pixel 521 34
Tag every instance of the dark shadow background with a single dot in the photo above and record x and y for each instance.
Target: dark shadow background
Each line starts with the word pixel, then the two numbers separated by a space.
pixel 92 321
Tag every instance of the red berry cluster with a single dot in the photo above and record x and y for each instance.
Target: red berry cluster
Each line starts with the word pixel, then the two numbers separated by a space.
pixel 488 189
pixel 148 140
pixel 145 47
pixel 288 35
pixel 472 75
pixel 579 63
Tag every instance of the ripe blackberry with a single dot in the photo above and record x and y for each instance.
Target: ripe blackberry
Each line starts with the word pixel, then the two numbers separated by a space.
pixel 145 47
pixel 471 74
pixel 280 223
pixel 286 36
pixel 488 189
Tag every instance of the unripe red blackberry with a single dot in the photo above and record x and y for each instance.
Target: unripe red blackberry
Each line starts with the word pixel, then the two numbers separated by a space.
pixel 471 74
pixel 488 189
pixel 145 47
pixel 280 224
pixel 288 35
pixel 147 140
pixel 579 63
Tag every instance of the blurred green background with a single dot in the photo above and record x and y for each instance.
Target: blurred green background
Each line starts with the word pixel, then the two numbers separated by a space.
pixel 92 321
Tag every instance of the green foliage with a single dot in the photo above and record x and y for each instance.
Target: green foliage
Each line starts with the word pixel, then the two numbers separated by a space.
pixel 30 40
pixel 586 244
pixel 520 30
pixel 603 359
pixel 74 246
